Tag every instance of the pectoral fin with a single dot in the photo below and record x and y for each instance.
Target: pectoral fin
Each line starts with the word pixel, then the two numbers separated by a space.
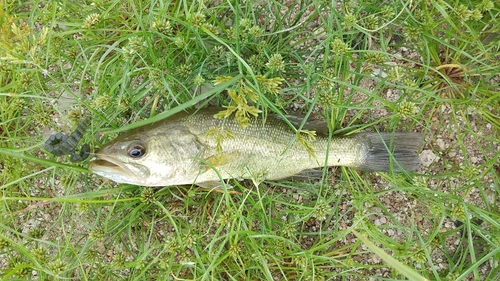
pixel 319 126
pixel 216 186
pixel 218 160
pixel 212 185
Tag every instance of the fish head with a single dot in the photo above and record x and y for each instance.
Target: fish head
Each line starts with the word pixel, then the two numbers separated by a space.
pixel 142 157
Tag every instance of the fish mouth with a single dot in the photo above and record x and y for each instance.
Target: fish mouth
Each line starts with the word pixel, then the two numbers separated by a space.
pixel 112 168
pixel 105 163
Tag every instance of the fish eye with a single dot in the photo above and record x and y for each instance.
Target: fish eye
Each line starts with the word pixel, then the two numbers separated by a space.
pixel 136 150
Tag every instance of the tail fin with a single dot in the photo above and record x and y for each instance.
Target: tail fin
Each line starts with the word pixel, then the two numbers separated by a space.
pixel 390 151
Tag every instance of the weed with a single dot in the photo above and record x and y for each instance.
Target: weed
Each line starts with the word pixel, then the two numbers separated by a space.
pixel 420 66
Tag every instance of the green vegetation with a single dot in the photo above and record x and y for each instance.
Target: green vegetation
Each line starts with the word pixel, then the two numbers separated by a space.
pixel 416 65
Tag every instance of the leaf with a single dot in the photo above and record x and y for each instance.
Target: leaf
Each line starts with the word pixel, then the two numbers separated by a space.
pixel 311 135
pixel 250 92
pixel 222 79
pixel 403 269
pixel 242 109
pixel 220 134
pixel 270 85
pixel 179 108
pixel 226 113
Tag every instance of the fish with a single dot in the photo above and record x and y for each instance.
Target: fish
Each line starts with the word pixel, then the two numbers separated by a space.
pixel 193 147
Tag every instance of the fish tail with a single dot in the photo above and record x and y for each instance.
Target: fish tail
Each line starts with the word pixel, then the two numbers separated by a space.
pixel 389 151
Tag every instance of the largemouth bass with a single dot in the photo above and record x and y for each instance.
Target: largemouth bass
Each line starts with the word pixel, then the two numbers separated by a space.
pixel 196 148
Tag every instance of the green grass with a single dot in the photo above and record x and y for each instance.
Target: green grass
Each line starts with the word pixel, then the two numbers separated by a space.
pixel 430 67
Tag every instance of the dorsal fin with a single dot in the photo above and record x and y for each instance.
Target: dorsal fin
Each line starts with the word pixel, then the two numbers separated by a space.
pixel 320 126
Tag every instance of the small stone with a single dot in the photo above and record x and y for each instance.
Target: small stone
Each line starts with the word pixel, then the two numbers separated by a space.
pixel 440 144
pixel 427 157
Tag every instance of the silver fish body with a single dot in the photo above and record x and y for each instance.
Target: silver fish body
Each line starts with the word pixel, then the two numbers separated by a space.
pixel 196 148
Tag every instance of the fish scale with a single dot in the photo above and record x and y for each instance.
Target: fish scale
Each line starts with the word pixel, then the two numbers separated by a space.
pixel 182 149
pixel 280 150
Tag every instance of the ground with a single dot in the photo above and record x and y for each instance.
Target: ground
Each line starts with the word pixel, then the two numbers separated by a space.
pixel 123 62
